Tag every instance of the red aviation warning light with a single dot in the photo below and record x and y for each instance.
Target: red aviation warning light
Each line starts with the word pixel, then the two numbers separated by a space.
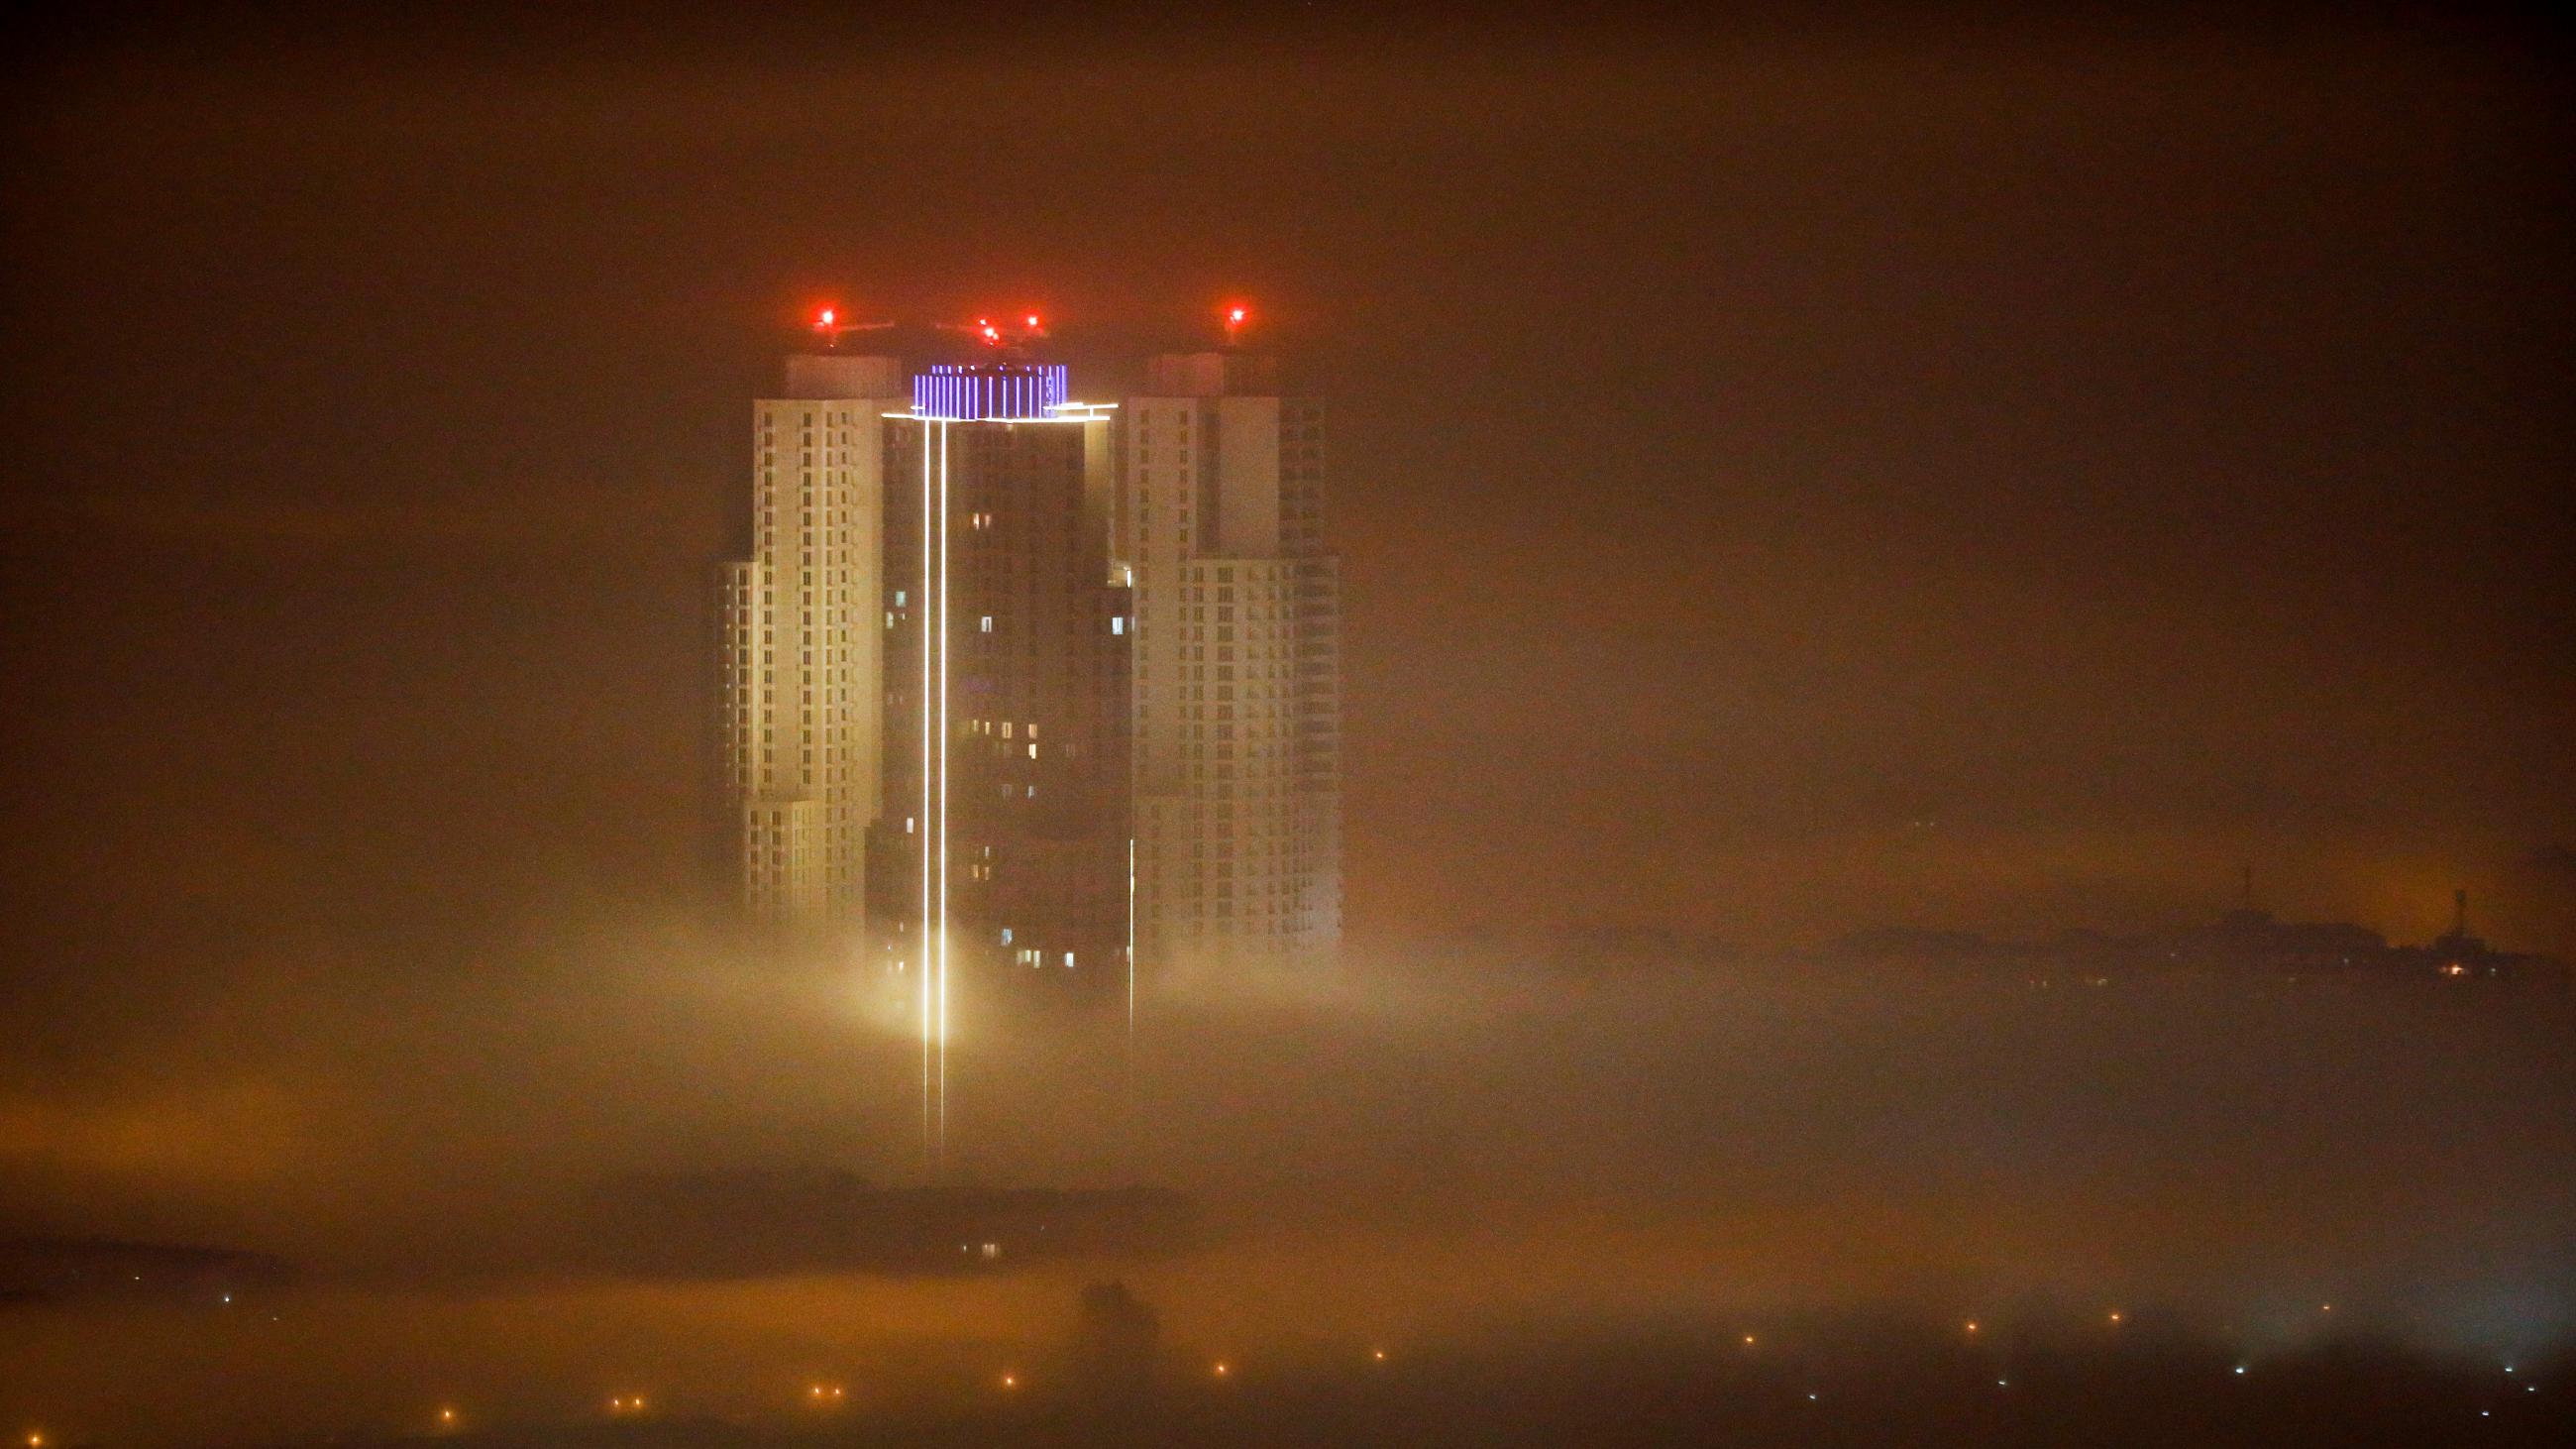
pixel 829 326
pixel 1235 316
pixel 1003 334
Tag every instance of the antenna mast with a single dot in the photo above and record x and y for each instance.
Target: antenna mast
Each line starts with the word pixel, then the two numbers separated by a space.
pixel 829 326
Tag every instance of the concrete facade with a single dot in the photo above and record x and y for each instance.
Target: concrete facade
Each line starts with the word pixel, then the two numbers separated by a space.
pixel 1237 669
pixel 800 656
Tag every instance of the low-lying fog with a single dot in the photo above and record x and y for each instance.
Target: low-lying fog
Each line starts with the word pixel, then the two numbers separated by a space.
pixel 1402 1155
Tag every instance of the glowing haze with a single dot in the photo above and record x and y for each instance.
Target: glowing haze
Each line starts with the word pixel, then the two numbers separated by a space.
pixel 2001 477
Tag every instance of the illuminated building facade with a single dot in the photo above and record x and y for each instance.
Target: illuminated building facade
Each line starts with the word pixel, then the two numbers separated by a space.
pixel 799 657
pixel 1005 698
pixel 1237 668
pixel 1065 677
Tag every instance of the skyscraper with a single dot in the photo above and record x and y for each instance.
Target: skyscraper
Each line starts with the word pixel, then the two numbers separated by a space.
pixel 1049 686
pixel 1237 668
pixel 1005 819
pixel 800 654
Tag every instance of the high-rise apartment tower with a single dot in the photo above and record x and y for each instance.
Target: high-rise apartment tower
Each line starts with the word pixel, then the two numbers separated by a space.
pixel 800 650
pixel 1045 685
pixel 1005 821
pixel 1237 665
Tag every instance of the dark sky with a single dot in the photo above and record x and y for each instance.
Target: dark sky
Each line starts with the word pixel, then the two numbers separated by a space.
pixel 1980 473
pixel 1983 472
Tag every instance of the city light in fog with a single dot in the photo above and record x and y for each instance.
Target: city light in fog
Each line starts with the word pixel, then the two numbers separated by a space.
pixel 900 727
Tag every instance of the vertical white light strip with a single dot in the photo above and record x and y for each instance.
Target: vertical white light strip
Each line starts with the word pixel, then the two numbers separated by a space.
pixel 929 1139
pixel 943 791
pixel 1127 1076
pixel 1131 928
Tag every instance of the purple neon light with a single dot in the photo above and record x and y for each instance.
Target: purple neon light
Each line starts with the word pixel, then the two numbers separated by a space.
pixel 988 389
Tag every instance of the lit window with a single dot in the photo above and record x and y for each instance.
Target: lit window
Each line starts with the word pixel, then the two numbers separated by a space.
pixel 988 623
